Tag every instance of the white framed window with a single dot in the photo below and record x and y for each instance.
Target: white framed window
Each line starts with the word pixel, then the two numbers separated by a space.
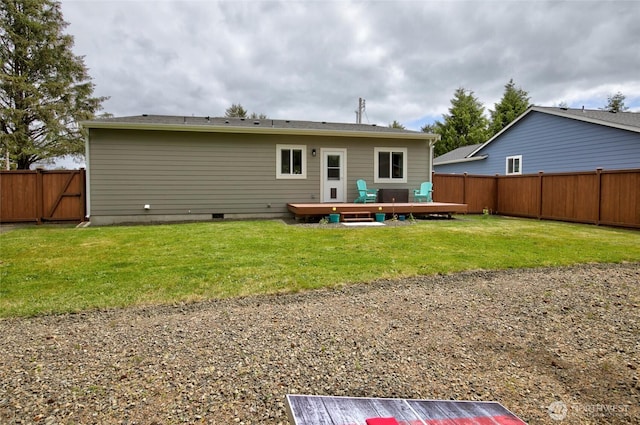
pixel 291 162
pixel 514 165
pixel 390 165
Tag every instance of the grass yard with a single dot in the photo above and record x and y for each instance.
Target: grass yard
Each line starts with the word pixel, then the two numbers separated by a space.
pixel 47 269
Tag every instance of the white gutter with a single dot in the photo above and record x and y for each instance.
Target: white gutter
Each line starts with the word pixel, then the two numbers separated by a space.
pixel 87 176
pixel 431 164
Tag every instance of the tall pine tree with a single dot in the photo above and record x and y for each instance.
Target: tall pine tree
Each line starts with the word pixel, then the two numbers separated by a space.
pixel 45 90
pixel 464 125
pixel 513 103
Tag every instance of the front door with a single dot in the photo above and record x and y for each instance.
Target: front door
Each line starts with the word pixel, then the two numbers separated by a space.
pixel 333 182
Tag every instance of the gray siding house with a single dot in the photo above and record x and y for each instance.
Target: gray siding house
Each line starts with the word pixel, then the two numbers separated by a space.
pixel 552 140
pixel 165 168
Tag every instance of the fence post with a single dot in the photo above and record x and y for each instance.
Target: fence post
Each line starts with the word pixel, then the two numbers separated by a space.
pixel 464 188
pixel 599 192
pixel 433 186
pixel 39 195
pixel 540 173
pixel 496 178
pixel 83 192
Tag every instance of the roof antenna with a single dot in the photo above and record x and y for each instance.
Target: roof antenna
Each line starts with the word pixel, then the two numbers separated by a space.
pixel 361 108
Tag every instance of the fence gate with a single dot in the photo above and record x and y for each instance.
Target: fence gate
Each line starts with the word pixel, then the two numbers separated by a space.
pixel 42 195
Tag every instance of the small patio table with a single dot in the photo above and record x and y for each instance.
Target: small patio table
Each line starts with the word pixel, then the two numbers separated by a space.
pixel 328 410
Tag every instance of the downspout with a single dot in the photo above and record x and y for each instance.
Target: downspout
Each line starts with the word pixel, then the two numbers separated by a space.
pixel 431 143
pixel 87 177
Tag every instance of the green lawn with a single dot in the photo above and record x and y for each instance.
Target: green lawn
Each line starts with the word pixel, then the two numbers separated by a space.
pixel 47 269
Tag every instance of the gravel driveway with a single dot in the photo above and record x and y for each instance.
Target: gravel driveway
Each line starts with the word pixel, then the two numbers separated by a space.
pixel 525 338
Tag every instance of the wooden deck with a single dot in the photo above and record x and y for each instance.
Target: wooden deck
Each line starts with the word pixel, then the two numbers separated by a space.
pixel 415 208
pixel 327 410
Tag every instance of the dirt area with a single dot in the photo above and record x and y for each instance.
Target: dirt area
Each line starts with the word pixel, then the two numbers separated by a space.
pixel 6 228
pixel 525 338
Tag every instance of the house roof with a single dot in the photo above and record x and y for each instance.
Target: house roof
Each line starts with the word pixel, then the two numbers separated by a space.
pixel 457 155
pixel 250 125
pixel 623 120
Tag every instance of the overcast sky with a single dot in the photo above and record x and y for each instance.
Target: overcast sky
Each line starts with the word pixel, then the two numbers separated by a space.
pixel 312 60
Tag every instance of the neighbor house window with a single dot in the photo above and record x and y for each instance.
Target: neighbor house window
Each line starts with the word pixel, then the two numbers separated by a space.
pixel 390 165
pixel 291 162
pixel 514 165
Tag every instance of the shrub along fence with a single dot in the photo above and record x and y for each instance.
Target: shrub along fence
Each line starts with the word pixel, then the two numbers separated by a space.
pixel 42 195
pixel 596 197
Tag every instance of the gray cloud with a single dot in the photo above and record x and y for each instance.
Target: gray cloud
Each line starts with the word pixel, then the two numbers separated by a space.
pixel 313 59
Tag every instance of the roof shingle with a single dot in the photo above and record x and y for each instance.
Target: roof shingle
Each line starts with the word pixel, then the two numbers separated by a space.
pixel 163 120
pixel 631 119
pixel 456 154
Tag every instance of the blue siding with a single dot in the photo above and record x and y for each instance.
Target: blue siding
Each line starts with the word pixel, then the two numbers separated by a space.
pixel 476 167
pixel 555 144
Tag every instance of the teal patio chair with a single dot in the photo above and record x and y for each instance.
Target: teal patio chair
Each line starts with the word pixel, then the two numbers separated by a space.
pixel 366 195
pixel 424 193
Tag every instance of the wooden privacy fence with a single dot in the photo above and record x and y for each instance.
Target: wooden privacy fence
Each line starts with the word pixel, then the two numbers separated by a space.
pixel 596 197
pixel 40 195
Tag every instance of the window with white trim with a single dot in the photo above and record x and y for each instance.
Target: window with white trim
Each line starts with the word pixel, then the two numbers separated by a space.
pixel 514 165
pixel 390 165
pixel 291 162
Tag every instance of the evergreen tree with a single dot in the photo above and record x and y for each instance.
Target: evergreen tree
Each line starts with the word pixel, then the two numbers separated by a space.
pixel 235 111
pixel 464 125
pixel 45 90
pixel 429 128
pixel 615 103
pixel 255 116
pixel 396 124
pixel 513 103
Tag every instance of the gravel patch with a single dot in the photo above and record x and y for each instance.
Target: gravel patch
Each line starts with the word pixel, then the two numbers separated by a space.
pixel 524 338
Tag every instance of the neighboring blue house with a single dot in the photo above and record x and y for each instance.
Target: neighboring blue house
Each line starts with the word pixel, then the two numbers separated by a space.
pixel 552 140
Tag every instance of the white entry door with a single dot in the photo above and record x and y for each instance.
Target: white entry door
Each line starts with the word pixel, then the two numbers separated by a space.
pixel 334 175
